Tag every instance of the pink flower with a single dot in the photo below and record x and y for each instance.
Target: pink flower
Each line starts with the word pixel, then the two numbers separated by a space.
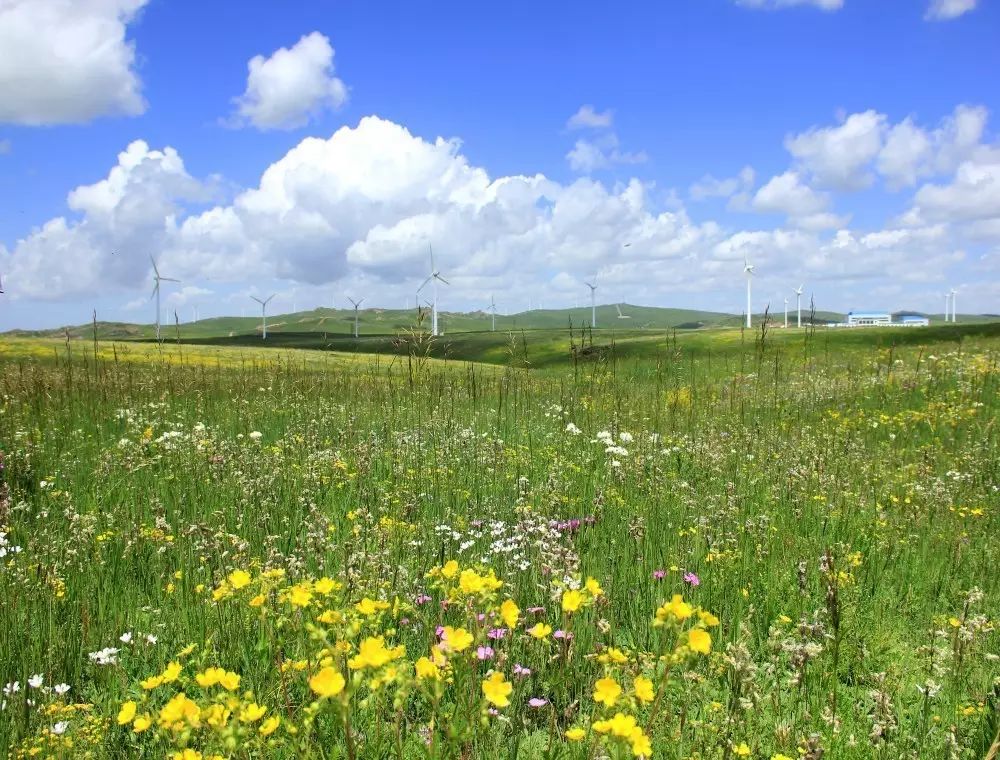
pixel 538 702
pixel 484 653
pixel 439 631
pixel 692 579
pixel 423 599
pixel 497 633
pixel 659 575
pixel 520 671
pixel 561 634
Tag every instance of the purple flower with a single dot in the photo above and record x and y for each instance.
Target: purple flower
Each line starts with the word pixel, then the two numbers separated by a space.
pixel 480 617
pixel 561 634
pixel 484 653
pixel 439 631
pixel 497 633
pixel 692 579
pixel 659 575
pixel 423 599
pixel 538 702
pixel 520 671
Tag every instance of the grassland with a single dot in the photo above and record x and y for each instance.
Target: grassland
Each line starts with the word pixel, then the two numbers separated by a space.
pixel 695 545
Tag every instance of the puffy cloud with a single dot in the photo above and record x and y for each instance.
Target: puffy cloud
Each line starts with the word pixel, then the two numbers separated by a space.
pixel 906 153
pixel 973 194
pixel 944 10
pixel 588 118
pixel 291 87
pixel 604 152
pixel 839 157
pixel 826 5
pixel 710 187
pixel 67 61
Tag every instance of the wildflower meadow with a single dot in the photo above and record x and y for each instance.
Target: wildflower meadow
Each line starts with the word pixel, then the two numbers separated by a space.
pixel 782 549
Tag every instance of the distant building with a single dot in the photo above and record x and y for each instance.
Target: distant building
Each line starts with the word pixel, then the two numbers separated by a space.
pixel 869 319
pixel 914 321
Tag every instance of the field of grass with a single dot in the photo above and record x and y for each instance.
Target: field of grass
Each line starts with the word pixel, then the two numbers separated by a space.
pixel 697 545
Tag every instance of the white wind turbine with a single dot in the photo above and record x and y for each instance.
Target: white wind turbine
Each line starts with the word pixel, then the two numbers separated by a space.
pixel 786 313
pixel 157 279
pixel 356 305
pixel 433 278
pixel 620 315
pixel 954 312
pixel 263 314
pixel 947 306
pixel 493 309
pixel 748 270
pixel 593 303
pixel 798 304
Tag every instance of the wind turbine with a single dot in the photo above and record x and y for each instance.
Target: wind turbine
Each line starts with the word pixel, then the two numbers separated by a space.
pixel 493 308
pixel 620 315
pixel 263 314
pixel 798 304
pixel 433 278
pixel 947 306
pixel 748 270
pixel 786 313
pixel 1 284
pixel 593 304
pixel 356 305
pixel 954 313
pixel 157 279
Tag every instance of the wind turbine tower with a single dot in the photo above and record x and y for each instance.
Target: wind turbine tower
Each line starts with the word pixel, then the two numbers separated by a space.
pixel 954 312
pixel 786 313
pixel 157 279
pixel 593 304
pixel 798 304
pixel 433 279
pixel 263 314
pixel 356 305
pixel 493 309
pixel 748 270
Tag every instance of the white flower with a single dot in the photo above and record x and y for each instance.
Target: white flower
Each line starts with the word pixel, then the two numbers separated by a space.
pixel 256 435
pixel 625 437
pixel 106 656
pixel 126 638
pixel 573 429
pixel 60 728
pixel 151 639
pixel 36 681
pixel 61 688
pixel 12 688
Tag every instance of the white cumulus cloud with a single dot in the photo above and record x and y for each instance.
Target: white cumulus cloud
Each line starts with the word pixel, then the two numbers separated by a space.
pixel 589 118
pixel 839 157
pixel 67 61
pixel 291 87
pixel 944 10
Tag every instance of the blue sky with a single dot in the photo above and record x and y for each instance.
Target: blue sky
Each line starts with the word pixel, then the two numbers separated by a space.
pixel 865 133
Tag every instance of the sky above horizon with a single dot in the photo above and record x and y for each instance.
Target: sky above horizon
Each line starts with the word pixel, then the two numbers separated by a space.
pixel 317 151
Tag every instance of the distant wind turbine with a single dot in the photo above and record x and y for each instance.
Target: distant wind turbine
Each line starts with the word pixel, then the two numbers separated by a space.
pixel 263 314
pixel 748 271
pixel 356 305
pixel 493 309
pixel 786 313
pixel 593 303
pixel 433 278
pixel 954 311
pixel 798 304
pixel 157 279
pixel 1 284
pixel 620 315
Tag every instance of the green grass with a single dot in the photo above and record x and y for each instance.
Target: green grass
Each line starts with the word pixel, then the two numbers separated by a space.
pixel 835 492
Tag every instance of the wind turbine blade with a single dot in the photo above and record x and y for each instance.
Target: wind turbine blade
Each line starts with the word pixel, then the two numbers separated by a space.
pixel 439 277
pixel 259 301
pixel 155 288
pixel 153 261
pixel 169 279
pixel 424 283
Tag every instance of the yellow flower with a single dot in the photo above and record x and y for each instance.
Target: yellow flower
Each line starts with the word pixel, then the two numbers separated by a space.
pixel 613 654
pixel 216 716
pixel 742 750
pixel 230 681
pixel 126 714
pixel 239 578
pixel 954 622
pixel 699 641
pixel 571 600
pixel 607 691
pixel 369 607
pixel 594 587
pixel 373 654
pixel 142 723
pixel 173 670
pixel 187 754
pixel 325 585
pixel 450 569
pixel 540 630
pixel 497 690
pixel 575 734
pixel 329 617
pixel 209 677
pixel 299 595
pixel 327 682
pixel 471 582
pixel 784 619
pixel 252 712
pixel 675 609
pixel 187 650
pixel 269 726
pixel 178 709
pixel 509 611
pixel 258 600
pixel 427 669
pixel 641 746
pixel 151 683
pixel 643 689
pixel 779 756
pixel 456 639
pixel 708 618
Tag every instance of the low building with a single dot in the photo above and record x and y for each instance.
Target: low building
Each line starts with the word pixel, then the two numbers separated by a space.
pixel 869 319
pixel 913 321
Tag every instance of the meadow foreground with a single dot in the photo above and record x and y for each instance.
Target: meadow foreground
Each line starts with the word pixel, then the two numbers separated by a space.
pixel 769 550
